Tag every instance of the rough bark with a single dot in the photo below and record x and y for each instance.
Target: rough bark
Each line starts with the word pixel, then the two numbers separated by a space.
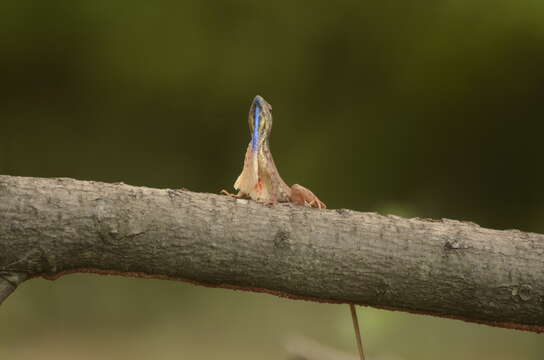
pixel 50 227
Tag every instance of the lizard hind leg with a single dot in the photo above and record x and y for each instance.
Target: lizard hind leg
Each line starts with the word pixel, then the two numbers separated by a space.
pixel 302 196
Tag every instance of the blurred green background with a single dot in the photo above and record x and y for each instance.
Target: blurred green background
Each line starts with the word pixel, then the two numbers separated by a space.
pixel 429 108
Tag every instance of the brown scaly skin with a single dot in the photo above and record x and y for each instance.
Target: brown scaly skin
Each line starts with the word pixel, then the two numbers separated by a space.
pixel 260 179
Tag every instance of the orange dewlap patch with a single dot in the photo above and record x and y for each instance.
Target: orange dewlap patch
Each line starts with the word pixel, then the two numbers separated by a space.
pixel 259 185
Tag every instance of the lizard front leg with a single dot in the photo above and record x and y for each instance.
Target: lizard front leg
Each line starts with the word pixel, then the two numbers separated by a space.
pixel 302 196
pixel 237 196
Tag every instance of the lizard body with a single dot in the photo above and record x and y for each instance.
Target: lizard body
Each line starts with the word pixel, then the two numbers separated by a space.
pixel 260 179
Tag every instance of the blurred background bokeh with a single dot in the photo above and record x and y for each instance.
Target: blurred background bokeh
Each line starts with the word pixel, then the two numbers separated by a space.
pixel 429 108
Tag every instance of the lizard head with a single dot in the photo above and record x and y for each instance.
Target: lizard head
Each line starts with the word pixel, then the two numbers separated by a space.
pixel 260 122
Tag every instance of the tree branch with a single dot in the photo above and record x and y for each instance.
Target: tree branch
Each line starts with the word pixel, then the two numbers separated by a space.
pixel 50 227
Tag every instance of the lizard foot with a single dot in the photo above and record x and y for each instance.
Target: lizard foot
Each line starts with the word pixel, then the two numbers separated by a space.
pixel 225 192
pixel 302 196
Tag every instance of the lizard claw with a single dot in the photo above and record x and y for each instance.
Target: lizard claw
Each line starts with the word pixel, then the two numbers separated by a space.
pixel 225 192
pixel 316 203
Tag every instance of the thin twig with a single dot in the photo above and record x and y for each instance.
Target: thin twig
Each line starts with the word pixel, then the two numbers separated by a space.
pixel 9 282
pixel 357 331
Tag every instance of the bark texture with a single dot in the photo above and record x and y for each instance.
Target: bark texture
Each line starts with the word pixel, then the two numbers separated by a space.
pixel 50 227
